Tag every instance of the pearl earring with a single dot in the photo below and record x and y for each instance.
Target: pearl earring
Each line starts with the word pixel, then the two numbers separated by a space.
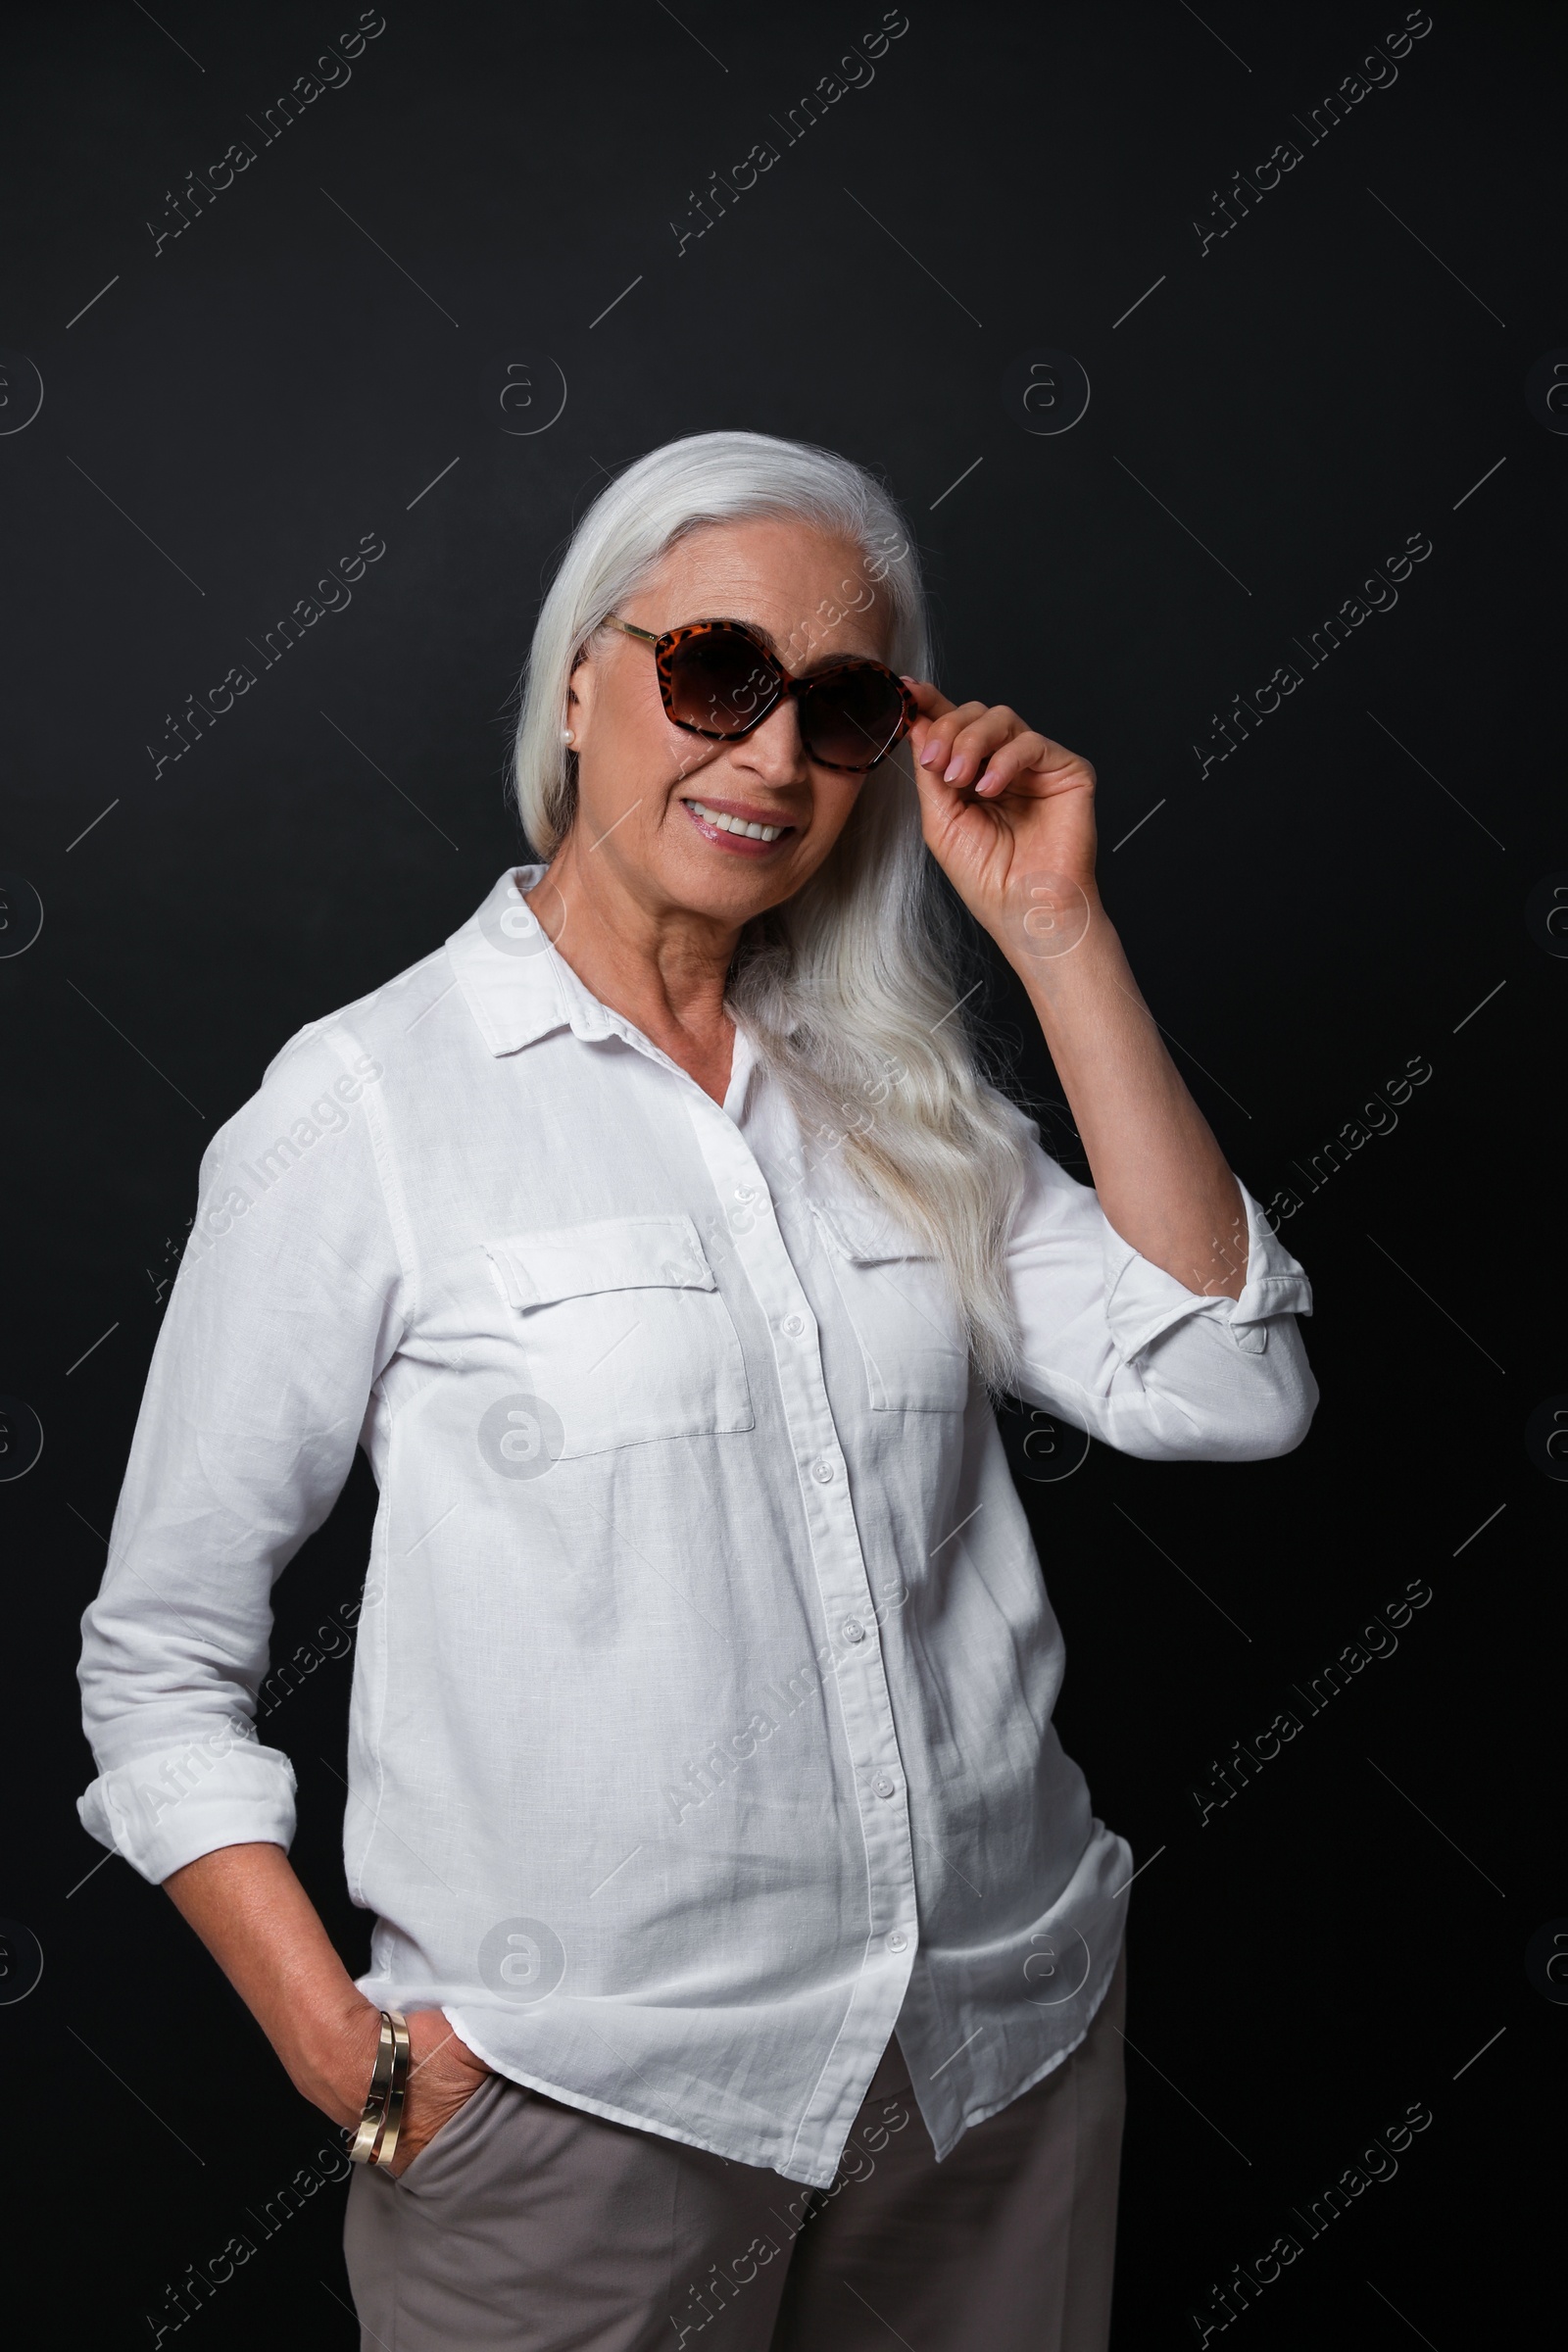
pixel 565 734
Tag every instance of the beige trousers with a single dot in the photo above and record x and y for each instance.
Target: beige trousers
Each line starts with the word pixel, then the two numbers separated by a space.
pixel 527 2225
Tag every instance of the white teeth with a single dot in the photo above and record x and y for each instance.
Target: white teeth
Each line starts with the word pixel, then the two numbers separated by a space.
pixel 735 824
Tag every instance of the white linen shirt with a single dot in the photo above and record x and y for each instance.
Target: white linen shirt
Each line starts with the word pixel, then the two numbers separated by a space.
pixel 701 1718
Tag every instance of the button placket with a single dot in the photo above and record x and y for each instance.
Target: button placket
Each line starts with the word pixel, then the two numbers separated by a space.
pixel 842 1571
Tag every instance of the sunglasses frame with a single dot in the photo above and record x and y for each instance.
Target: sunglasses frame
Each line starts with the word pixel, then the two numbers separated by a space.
pixel 667 644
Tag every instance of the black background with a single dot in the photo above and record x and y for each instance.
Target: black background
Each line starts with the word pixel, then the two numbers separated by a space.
pixel 237 409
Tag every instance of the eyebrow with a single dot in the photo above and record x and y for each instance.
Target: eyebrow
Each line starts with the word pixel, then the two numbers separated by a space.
pixel 755 627
pixel 826 662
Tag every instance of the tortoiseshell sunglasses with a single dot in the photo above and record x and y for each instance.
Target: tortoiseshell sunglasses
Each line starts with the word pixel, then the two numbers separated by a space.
pixel 718 679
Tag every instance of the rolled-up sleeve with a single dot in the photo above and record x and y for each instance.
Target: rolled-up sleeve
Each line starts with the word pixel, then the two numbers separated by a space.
pixel 1116 1346
pixel 288 1303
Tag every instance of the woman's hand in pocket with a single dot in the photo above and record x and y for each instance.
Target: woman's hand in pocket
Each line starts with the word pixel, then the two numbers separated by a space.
pixel 443 2075
pixel 250 1910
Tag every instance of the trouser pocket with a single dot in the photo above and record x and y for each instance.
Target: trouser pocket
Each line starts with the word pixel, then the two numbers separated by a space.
pixel 441 2161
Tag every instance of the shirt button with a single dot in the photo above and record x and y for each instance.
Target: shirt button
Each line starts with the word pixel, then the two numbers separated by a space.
pixel 745 1192
pixel 822 1472
pixel 883 1786
pixel 793 1326
pixel 853 1629
pixel 898 1941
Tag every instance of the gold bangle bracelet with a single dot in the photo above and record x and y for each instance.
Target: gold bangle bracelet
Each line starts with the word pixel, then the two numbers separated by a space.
pixel 392 2118
pixel 363 2148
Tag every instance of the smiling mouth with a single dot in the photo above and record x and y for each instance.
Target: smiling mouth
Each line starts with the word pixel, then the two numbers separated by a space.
pixel 733 829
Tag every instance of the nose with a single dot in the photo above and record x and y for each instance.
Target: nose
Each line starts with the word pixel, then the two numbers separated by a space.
pixel 774 752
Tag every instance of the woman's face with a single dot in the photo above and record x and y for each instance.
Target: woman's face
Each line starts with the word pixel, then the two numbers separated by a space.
pixel 648 790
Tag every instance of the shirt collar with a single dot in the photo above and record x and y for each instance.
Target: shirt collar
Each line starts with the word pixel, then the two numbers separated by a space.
pixel 513 983
pixel 741 1071
pixel 518 989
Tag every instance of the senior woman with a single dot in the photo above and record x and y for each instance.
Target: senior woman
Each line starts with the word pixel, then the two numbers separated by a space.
pixel 747 1960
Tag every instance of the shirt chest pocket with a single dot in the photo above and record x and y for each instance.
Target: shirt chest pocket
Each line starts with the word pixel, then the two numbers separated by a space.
pixel 912 1338
pixel 623 1332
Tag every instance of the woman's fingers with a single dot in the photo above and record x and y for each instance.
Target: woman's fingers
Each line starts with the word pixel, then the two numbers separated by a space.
pixel 1022 755
pixel 986 746
pixel 978 739
pixel 1034 763
pixel 958 737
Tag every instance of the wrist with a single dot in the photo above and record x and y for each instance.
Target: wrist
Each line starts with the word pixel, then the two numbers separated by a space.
pixel 332 2054
pixel 1057 936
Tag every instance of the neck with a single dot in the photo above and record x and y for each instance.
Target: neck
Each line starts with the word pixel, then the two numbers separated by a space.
pixel 661 967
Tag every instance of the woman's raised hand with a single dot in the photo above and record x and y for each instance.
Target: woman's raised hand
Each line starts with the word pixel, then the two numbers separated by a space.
pixel 1003 809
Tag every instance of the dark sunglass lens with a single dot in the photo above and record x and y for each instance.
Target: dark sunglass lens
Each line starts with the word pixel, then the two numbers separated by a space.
pixel 720 683
pixel 852 718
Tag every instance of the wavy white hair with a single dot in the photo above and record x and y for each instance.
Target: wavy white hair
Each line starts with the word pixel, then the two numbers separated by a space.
pixel 848 989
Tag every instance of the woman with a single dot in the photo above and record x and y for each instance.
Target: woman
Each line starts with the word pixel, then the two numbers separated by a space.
pixel 661 1244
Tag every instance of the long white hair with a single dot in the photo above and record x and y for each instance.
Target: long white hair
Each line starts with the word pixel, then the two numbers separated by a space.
pixel 848 989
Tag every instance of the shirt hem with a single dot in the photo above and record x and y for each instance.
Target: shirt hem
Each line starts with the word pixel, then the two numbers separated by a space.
pixel 1058 2058
pixel 730 2150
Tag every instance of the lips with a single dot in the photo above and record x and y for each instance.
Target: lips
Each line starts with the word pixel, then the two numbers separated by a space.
pixel 732 826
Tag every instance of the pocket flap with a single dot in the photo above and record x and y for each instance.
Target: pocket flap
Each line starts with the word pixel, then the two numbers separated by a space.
pixel 866 1236
pixel 618 1254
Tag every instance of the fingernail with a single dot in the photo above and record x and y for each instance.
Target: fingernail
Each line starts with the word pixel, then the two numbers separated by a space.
pixel 985 782
pixel 932 753
pixel 953 771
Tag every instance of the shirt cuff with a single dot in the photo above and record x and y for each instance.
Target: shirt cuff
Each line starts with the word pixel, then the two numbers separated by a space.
pixel 1143 1301
pixel 174 1805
